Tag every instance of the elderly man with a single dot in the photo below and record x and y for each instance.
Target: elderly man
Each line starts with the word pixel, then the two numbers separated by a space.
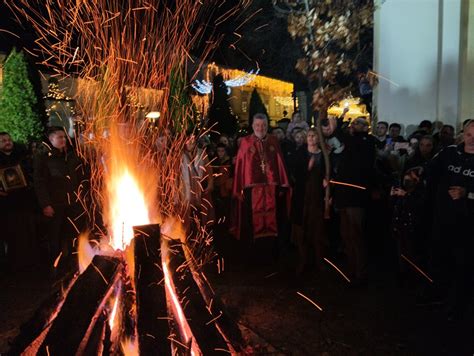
pixel 260 183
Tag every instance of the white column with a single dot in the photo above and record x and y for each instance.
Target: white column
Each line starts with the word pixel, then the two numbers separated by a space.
pixel 416 48
pixel 449 65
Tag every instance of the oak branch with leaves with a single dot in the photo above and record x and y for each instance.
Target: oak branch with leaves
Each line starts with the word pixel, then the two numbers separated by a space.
pixel 330 33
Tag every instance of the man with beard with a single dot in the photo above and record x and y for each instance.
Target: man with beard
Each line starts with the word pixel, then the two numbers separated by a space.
pixel 356 170
pixel 17 207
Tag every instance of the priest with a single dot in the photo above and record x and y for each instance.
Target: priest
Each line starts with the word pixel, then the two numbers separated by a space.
pixel 261 185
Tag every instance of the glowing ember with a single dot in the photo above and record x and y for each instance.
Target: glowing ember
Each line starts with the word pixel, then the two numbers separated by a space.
pixel 175 302
pixel 130 347
pixel 114 312
pixel 85 252
pixel 127 209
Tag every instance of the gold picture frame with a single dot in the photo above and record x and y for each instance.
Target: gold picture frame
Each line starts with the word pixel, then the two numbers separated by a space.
pixel 12 178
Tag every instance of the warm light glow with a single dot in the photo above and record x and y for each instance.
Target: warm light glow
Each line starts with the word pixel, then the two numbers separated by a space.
pixel 173 229
pixel 356 109
pixel 278 87
pixel 85 252
pixel 173 301
pixel 130 347
pixel 113 314
pixel 128 208
pixel 284 100
pixel 153 115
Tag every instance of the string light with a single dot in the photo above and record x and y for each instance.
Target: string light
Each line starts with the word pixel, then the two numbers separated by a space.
pixel 284 100
pixel 205 87
pixel 57 96
pixel 54 93
pixel 202 87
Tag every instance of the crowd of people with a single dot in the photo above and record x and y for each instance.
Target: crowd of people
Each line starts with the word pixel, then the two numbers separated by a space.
pixel 376 195
pixel 342 190
pixel 40 206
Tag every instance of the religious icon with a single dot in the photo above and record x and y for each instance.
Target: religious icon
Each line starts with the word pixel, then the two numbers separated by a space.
pixel 12 178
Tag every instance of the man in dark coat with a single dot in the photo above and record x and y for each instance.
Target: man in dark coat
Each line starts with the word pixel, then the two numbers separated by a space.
pixel 451 183
pixel 58 173
pixel 356 172
pixel 17 206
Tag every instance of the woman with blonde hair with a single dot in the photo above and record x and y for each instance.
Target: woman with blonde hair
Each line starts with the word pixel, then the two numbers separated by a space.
pixel 308 226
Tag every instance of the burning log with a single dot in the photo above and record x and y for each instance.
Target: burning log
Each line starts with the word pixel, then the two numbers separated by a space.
pixel 32 333
pixel 224 323
pixel 152 313
pixel 198 315
pixel 72 328
pixel 98 343
pixel 127 314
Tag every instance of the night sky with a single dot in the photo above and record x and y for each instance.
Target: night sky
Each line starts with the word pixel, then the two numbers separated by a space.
pixel 252 38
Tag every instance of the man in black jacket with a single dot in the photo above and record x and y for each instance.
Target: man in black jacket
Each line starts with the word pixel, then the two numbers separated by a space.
pixel 17 207
pixel 451 184
pixel 356 168
pixel 58 173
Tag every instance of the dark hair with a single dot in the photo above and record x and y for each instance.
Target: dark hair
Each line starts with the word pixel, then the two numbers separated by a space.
pixel 426 137
pixel 426 124
pixel 385 123
pixel 273 129
pixel 296 130
pixel 324 122
pixel 260 116
pixel 447 127
pixel 53 129
pixel 4 133
pixel 396 125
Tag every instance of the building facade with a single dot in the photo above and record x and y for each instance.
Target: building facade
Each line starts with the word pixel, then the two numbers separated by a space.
pixel 424 54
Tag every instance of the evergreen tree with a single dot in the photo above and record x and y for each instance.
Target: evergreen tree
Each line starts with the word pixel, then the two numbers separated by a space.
pixel 256 106
pixel 18 101
pixel 180 106
pixel 221 118
pixel 35 79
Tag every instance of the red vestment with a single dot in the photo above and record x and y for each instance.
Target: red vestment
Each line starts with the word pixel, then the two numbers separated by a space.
pixel 259 167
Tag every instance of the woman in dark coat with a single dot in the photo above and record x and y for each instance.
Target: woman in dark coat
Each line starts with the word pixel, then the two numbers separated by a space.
pixel 308 203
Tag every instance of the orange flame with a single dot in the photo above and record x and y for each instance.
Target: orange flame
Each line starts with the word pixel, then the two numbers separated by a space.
pixel 174 303
pixel 128 176
pixel 113 314
pixel 85 252
pixel 130 347
pixel 173 229
pixel 128 208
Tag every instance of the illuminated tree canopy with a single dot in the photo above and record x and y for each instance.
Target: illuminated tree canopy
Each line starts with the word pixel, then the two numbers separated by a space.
pixel 18 100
